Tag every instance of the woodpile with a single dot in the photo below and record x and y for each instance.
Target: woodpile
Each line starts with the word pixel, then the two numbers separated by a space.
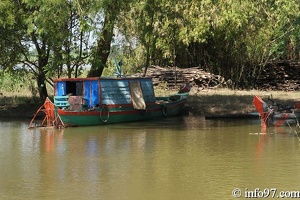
pixel 176 77
pixel 280 75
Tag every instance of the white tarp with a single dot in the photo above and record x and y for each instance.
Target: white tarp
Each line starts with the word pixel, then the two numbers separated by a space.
pixel 137 95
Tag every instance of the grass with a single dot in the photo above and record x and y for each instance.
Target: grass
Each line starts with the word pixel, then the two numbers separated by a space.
pixel 18 104
pixel 226 101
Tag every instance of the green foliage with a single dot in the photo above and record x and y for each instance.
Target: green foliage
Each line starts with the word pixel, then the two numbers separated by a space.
pixel 54 38
pixel 45 37
pixel 129 63
pixel 19 81
pixel 6 15
pixel 232 38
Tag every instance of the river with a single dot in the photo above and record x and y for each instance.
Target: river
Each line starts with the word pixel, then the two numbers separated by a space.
pixel 186 158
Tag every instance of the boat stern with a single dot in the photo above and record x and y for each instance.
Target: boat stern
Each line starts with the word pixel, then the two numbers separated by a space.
pixel 263 110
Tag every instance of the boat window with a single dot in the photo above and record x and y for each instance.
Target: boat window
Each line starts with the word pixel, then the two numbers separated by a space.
pixel 74 88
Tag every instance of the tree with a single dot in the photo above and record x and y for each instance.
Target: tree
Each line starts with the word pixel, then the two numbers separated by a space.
pixel 44 36
pixel 107 12
pixel 232 38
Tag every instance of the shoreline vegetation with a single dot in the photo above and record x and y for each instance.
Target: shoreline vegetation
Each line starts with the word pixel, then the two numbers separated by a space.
pixel 208 102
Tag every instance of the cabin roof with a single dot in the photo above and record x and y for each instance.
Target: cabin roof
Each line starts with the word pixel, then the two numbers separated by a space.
pixel 99 78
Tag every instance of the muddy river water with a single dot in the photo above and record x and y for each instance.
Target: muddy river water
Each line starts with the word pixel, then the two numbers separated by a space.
pixel 184 158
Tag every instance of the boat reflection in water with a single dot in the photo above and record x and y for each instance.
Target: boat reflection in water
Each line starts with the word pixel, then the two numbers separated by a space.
pixel 60 141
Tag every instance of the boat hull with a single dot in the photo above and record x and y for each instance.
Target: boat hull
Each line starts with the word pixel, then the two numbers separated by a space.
pixel 108 100
pixel 283 119
pixel 271 117
pixel 119 114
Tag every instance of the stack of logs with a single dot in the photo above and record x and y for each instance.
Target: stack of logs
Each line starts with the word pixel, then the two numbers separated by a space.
pixel 280 75
pixel 176 77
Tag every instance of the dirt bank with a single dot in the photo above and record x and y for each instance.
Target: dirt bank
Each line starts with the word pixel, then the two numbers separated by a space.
pixel 18 111
pixel 203 103
pixel 225 101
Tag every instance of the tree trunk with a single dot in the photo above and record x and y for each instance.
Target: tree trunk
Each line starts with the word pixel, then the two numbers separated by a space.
pixel 41 82
pixel 43 56
pixel 103 44
pixel 41 77
pixel 151 14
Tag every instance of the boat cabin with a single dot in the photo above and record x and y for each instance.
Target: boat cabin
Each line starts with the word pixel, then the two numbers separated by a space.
pixel 89 93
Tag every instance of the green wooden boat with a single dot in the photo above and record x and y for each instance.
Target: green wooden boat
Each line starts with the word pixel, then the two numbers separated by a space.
pixel 98 101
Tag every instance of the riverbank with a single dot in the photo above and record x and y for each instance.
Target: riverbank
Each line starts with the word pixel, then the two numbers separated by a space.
pixel 210 102
pixel 213 103
pixel 225 102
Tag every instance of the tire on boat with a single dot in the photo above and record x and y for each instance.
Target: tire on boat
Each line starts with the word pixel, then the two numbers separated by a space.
pixel 164 110
pixel 104 108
